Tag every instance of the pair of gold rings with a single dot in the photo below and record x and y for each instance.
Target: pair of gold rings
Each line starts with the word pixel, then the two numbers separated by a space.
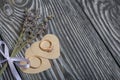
pixel 40 52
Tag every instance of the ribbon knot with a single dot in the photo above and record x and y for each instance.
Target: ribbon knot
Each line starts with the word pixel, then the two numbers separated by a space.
pixel 11 61
pixel 8 58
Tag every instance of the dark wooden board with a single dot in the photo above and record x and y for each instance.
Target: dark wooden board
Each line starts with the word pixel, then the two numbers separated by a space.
pixel 89 35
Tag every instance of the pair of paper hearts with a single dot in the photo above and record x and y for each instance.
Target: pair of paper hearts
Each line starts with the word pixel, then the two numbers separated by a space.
pixel 39 53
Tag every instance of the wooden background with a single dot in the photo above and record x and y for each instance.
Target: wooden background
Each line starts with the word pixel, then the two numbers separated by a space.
pixel 89 33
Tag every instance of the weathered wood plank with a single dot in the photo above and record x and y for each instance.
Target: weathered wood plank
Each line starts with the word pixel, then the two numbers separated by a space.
pixel 84 54
pixel 105 17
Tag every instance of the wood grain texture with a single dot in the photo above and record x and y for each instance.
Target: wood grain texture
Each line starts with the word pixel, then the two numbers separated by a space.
pixel 88 31
pixel 105 18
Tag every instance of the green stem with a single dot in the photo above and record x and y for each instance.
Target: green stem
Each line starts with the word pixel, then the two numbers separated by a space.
pixel 3 68
pixel 19 49
pixel 18 41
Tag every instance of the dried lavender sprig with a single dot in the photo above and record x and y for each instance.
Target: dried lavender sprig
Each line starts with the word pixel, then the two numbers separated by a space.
pixel 30 39
pixel 22 35
pixel 34 28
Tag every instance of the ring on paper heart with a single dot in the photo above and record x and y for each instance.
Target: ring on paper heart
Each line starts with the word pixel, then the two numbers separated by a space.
pixel 48 47
pixel 37 63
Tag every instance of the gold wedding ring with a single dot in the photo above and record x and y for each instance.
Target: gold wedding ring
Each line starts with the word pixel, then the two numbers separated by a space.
pixel 35 62
pixel 46 45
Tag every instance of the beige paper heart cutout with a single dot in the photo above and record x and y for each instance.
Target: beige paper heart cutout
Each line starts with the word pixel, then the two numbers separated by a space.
pixel 37 63
pixel 48 47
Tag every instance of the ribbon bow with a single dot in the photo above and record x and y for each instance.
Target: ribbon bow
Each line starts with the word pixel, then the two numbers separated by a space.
pixel 11 61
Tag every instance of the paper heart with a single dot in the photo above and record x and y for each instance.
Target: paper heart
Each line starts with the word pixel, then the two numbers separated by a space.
pixel 37 63
pixel 48 47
